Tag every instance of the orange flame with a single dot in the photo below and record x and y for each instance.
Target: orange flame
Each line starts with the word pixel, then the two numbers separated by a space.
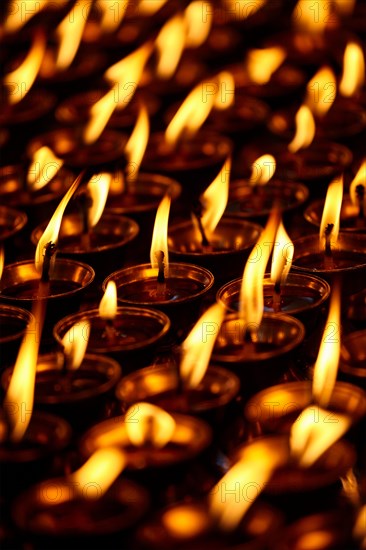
pixel 226 89
pixel 160 235
pixel 305 130
pixel 98 188
pixel 128 71
pixel 257 463
pixel 353 76
pixel 321 91
pixel 155 426
pixel 261 64
pixel 52 230
pixel 100 113
pixel 332 210
pixel 196 351
pixel 136 145
pixel 44 167
pixel 311 437
pixel 69 33
pixel 214 199
pixel 146 7
pixel 2 260
pixel 359 179
pixel 283 253
pixel 111 18
pixel 20 393
pixel 310 17
pixel 99 472
pixel 263 170
pixel 108 304
pixel 16 19
pixel 198 27
pixel 326 365
pixel 75 342
pixel 185 521
pixel 21 79
pixel 193 111
pixel 170 45
pixel 251 293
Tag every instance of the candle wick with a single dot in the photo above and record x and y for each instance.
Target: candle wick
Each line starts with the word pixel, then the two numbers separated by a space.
pixel 277 297
pixel 161 283
pixel 197 212
pixel 110 331
pixel 360 194
pixel 49 251
pixel 328 256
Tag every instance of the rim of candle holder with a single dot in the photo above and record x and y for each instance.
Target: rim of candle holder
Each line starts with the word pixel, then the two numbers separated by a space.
pixel 313 214
pixel 156 185
pixel 161 319
pixel 156 457
pixel 37 103
pixel 167 372
pixel 67 144
pixel 17 313
pixel 290 478
pixel 346 398
pixel 336 526
pixel 50 427
pixel 240 190
pixel 353 361
pixel 245 114
pixel 24 271
pixel 268 319
pixel 348 242
pixel 132 500
pixel 92 363
pixel 227 222
pixel 72 226
pixel 144 272
pixel 212 146
pixel 14 220
pixel 225 295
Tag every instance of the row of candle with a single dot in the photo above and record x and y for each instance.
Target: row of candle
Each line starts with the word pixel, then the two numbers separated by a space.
pixel 134 357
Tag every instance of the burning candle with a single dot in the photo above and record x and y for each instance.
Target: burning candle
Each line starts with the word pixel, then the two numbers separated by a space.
pixel 210 238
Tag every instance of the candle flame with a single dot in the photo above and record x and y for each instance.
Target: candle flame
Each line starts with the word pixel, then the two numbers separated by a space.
pixel 127 72
pixel 44 167
pixel 225 96
pixel 305 130
pixel 193 111
pixel 353 76
pixel 69 34
pixel 17 18
pixel 214 199
pixel 306 18
pixel 21 79
pixel 262 63
pixel 326 365
pixel 170 45
pixel 108 304
pixel 146 7
pixel 111 18
pixel 136 145
pixel 197 350
pixel 332 211
pixel 185 522
pixel 20 394
pixel 100 113
pixel 154 426
pixel 251 293
pixel 311 437
pixel 321 91
pixel 256 465
pixel 98 188
pixel 359 180
pixel 2 260
pixel 242 9
pixel 197 27
pixel 263 170
pixel 160 235
pixel 75 341
pixel 283 253
pixel 52 230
